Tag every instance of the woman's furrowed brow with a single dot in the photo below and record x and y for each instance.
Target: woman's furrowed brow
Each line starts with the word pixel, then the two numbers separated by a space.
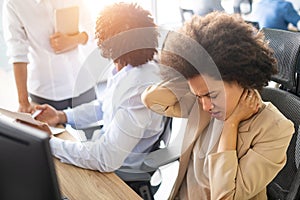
pixel 205 95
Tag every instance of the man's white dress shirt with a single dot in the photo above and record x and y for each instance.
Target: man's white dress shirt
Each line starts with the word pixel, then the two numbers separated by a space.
pixel 130 129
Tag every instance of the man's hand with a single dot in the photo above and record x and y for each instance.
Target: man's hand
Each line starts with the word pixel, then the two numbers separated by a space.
pixel 50 115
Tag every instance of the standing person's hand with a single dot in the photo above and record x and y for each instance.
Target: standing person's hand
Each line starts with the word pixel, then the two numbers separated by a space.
pixel 61 42
pixel 50 115
pixel 26 107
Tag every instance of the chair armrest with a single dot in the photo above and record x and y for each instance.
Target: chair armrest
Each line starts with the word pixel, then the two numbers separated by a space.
pixel 90 128
pixel 162 157
pixel 172 152
pixel 95 125
pixel 133 175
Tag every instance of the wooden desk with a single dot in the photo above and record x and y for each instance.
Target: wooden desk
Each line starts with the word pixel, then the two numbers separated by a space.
pixel 83 184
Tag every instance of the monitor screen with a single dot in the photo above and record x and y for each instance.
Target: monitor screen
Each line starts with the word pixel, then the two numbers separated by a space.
pixel 26 165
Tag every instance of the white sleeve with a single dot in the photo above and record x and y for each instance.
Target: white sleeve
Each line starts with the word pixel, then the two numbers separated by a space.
pixel 87 24
pixel 84 114
pixel 108 152
pixel 14 35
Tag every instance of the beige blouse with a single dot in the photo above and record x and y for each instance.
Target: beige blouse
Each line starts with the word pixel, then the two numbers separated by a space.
pixel 232 175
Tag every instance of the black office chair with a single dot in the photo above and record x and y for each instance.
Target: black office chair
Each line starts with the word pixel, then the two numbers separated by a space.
pixel 286 46
pixel 163 156
pixel 140 180
pixel 298 79
pixel 286 184
pixel 254 24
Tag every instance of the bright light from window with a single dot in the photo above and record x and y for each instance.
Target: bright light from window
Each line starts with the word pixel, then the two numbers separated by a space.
pixel 97 5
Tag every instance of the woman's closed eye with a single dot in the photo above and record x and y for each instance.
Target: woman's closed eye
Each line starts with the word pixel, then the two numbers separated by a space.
pixel 211 96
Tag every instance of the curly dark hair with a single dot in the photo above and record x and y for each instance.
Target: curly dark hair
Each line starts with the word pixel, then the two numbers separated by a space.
pixel 237 50
pixel 127 34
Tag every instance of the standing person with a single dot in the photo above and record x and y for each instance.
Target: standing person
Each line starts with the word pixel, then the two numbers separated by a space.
pixel 277 14
pixel 235 143
pixel 41 72
pixel 130 129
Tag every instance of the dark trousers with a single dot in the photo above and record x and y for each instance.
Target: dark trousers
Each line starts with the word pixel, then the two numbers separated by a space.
pixel 67 103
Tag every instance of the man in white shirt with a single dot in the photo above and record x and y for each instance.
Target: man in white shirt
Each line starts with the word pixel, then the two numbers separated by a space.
pixel 46 64
pixel 126 34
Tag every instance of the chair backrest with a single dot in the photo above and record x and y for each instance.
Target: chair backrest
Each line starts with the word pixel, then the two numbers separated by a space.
pixel 286 46
pixel 172 152
pixel 298 80
pixel 254 24
pixel 164 138
pixel 286 183
pixel 139 179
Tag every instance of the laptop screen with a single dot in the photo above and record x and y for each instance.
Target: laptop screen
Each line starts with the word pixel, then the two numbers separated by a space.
pixel 26 164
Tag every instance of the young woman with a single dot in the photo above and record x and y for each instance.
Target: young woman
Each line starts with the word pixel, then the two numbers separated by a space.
pixel 235 143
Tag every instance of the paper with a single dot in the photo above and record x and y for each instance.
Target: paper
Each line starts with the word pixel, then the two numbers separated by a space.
pixel 55 130
pixel 67 20
pixel 27 118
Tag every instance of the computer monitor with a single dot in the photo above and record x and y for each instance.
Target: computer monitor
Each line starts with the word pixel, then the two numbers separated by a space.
pixel 26 165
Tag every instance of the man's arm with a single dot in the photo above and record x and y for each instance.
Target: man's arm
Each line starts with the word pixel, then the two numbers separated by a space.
pixel 20 72
pixel 78 117
pixel 50 115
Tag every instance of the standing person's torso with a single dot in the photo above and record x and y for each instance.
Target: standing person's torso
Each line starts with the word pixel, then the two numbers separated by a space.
pixel 51 76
